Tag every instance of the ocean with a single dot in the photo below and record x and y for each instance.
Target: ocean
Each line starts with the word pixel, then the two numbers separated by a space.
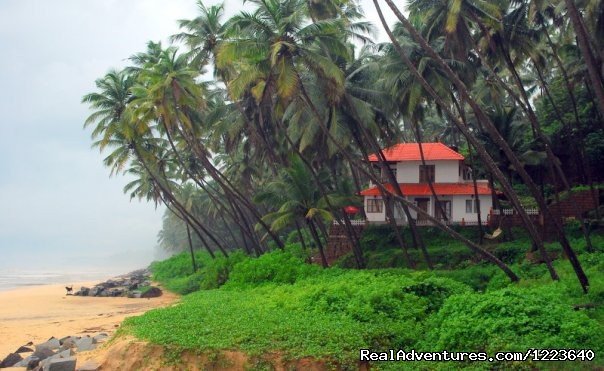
pixel 15 279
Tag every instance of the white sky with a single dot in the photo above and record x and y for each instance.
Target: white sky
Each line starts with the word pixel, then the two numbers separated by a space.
pixel 58 207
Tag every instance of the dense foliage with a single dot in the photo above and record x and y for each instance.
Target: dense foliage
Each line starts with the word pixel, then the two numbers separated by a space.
pixel 330 314
pixel 276 140
pixel 271 148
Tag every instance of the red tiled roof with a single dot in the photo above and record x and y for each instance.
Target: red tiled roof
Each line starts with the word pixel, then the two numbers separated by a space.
pixel 423 189
pixel 410 152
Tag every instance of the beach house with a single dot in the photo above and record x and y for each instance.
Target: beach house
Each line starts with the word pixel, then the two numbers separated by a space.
pixel 455 201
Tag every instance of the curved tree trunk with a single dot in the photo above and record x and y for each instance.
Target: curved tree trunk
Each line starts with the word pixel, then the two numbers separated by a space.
pixel 191 248
pixel 586 52
pixel 315 235
pixel 488 161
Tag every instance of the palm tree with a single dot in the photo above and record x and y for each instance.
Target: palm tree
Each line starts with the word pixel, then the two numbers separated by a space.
pixel 295 201
pixel 202 35
pixel 589 57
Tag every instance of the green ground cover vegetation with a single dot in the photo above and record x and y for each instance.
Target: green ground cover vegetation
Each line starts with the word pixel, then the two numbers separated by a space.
pixel 278 302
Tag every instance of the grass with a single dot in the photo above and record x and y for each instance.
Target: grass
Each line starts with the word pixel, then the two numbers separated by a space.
pixel 279 303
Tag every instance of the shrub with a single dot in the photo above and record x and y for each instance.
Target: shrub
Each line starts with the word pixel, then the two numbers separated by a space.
pixel 177 266
pixel 176 274
pixel 511 319
pixel 276 267
pixel 475 276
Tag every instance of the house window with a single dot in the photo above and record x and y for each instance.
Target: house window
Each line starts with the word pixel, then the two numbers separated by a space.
pixel 375 205
pixel 426 173
pixel 469 207
pixel 467 173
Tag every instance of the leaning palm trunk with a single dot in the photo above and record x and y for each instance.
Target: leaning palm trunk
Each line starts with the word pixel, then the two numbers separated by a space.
pixel 356 248
pixel 475 184
pixel 385 168
pixel 586 52
pixel 493 132
pixel 191 248
pixel 300 236
pixel 230 190
pixel 186 220
pixel 524 103
pixel 416 237
pixel 315 235
pixel 197 179
pixel 418 138
pixel 167 128
pixel 462 114
pixel 170 197
pixel 389 205
pixel 417 241
pixel 361 167
pixel 578 156
pixel 484 155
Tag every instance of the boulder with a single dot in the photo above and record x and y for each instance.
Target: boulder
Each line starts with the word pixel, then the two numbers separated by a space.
pixel 52 343
pixel 152 292
pixel 84 344
pixel 10 360
pixel 109 284
pixel 68 342
pixel 28 362
pixel 115 292
pixel 64 354
pixel 94 291
pixel 43 353
pixel 24 349
pixel 61 364
pixel 84 291
pixel 135 294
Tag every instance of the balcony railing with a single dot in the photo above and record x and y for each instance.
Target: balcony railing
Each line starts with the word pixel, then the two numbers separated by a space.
pixel 533 211
pixel 352 222
pixel 420 223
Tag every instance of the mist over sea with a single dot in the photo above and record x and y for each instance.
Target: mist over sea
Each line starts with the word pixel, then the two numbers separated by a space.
pixel 18 270
pixel 17 279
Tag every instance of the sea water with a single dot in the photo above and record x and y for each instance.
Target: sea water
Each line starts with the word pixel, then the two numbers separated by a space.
pixel 16 279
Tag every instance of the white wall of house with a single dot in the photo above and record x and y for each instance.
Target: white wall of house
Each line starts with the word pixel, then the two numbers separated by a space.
pixel 446 171
pixel 459 208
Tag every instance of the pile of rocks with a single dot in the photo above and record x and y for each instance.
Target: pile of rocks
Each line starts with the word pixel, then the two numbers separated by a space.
pixel 55 354
pixel 136 284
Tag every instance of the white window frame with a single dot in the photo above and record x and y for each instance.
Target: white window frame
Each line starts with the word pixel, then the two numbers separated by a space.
pixel 473 206
pixel 375 206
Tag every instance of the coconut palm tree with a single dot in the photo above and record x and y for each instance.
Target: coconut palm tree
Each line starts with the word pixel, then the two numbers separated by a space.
pixel 480 114
pixel 202 35
pixel 296 201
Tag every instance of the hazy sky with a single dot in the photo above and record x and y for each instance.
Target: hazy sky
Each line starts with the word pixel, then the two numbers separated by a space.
pixel 58 206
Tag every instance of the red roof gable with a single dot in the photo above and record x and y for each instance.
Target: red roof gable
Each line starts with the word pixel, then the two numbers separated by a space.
pixel 441 189
pixel 410 152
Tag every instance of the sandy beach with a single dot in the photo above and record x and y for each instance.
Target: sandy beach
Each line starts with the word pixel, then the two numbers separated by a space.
pixel 39 312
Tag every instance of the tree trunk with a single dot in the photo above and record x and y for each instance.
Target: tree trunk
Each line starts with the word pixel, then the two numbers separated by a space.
pixel 191 249
pixel 315 235
pixel 588 58
pixel 488 161
pixel 499 141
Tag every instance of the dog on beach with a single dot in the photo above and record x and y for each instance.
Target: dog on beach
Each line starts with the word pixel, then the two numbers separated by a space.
pixel 69 290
